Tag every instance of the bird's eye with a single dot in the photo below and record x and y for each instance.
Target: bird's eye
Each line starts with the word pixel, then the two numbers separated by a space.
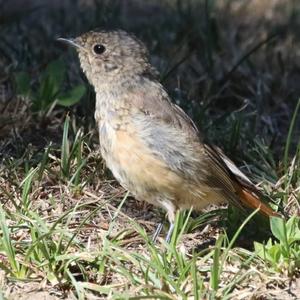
pixel 99 49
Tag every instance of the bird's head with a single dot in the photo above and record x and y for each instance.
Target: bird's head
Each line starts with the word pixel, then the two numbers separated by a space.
pixel 106 55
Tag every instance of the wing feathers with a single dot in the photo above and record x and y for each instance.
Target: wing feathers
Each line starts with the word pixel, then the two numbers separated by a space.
pixel 173 137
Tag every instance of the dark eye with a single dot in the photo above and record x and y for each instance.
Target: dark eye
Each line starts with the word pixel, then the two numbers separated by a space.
pixel 99 49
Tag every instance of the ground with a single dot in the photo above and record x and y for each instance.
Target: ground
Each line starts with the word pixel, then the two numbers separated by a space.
pixel 69 231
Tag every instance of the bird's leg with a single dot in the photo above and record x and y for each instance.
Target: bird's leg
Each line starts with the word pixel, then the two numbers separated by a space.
pixel 170 231
pixel 171 211
pixel 158 230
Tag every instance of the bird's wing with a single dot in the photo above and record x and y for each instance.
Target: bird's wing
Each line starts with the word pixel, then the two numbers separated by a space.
pixel 173 137
pixel 154 102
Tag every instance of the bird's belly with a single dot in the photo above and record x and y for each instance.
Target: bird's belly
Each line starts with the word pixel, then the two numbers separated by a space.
pixel 135 167
pixel 146 176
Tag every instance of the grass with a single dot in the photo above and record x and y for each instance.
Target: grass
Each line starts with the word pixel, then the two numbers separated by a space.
pixel 68 230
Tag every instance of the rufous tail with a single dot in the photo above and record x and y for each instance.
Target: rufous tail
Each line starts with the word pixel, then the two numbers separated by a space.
pixel 252 201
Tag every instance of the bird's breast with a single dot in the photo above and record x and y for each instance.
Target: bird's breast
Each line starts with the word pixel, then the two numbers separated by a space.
pixel 112 118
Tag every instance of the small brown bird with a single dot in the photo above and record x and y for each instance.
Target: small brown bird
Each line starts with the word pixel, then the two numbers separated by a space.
pixel 151 146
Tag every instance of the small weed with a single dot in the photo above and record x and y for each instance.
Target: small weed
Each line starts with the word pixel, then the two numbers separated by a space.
pixel 72 162
pixel 48 90
pixel 284 255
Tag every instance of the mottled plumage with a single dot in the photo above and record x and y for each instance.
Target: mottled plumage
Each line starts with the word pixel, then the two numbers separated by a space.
pixel 151 146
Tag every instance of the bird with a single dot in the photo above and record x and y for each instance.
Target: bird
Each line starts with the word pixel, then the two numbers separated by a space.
pixel 152 147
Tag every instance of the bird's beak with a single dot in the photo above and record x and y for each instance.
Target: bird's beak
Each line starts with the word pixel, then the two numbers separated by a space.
pixel 71 42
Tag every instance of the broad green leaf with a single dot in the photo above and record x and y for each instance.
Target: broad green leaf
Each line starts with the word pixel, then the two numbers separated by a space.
pixel 292 229
pixel 50 84
pixel 262 251
pixel 275 253
pixel 56 72
pixel 259 249
pixel 278 229
pixel 71 97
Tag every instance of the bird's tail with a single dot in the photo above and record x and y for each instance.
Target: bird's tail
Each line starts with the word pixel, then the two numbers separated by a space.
pixel 251 200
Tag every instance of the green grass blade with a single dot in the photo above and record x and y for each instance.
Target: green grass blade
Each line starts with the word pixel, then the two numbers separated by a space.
pixel 65 149
pixel 289 137
pixel 7 245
